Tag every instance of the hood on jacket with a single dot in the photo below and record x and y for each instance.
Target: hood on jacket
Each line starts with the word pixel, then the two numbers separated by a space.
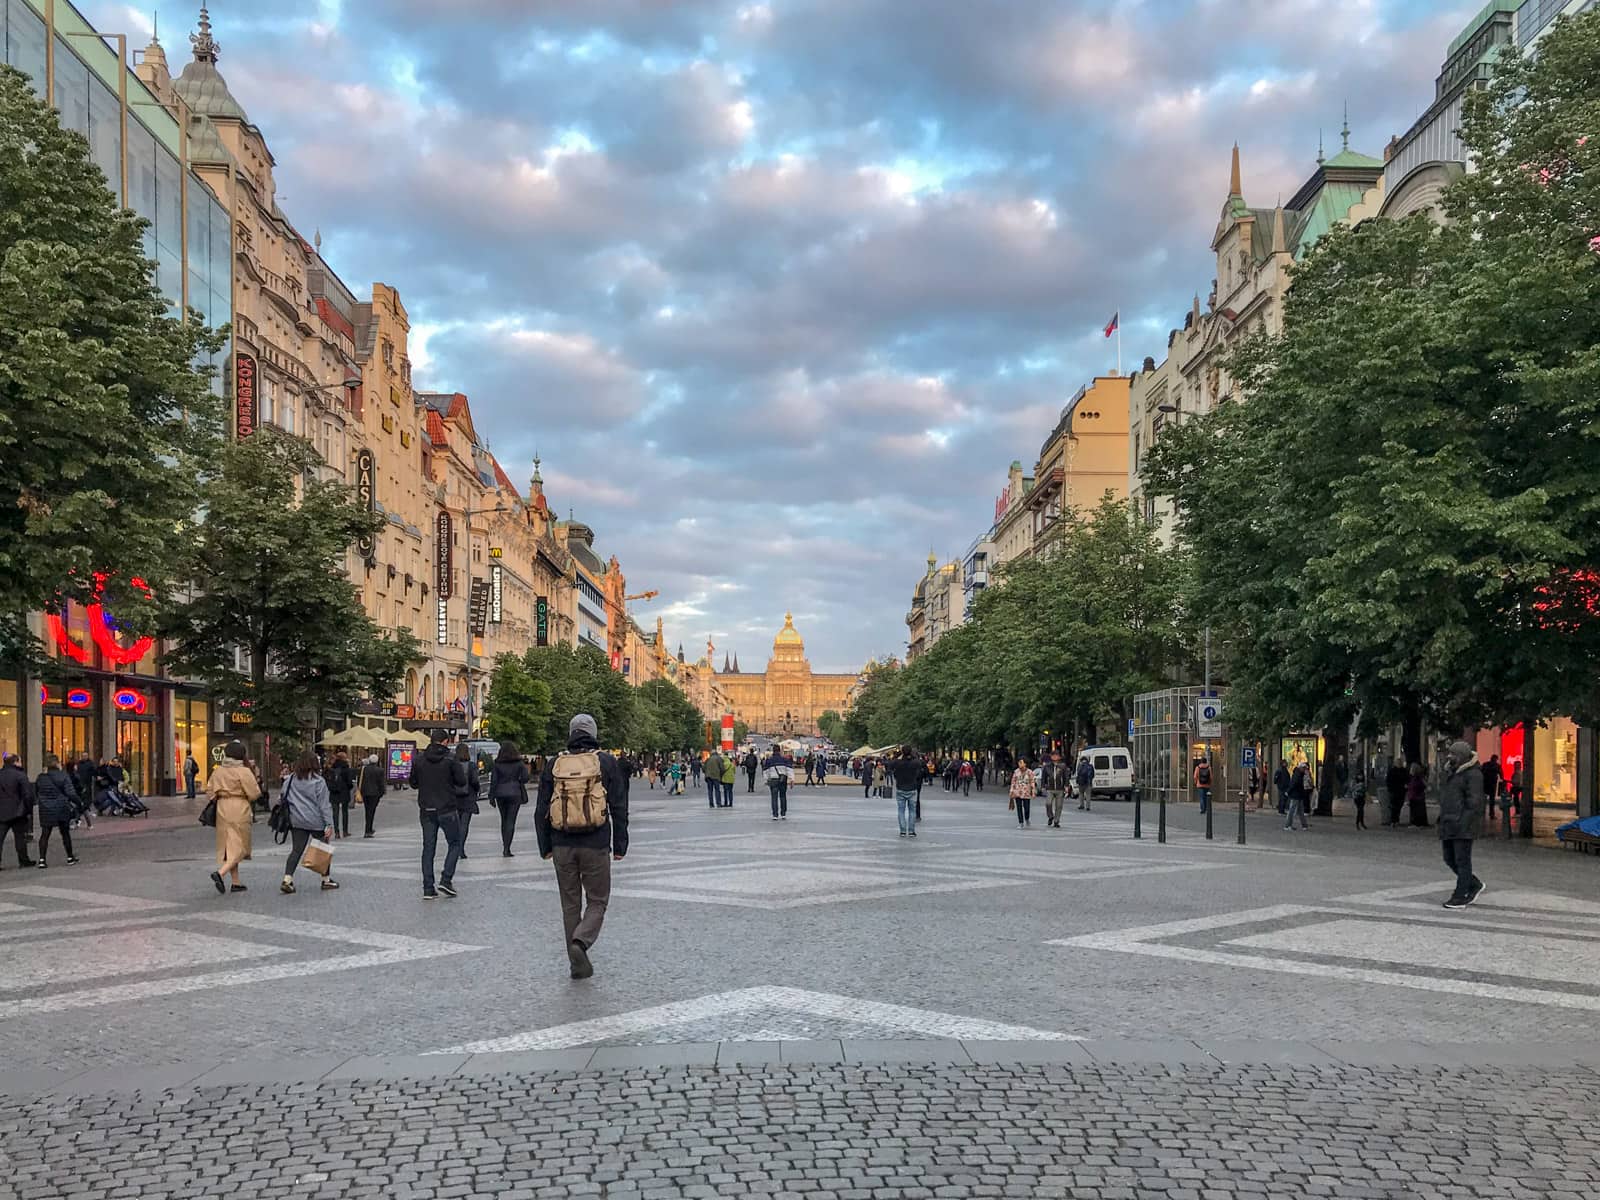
pixel 436 752
pixel 1463 755
pixel 583 729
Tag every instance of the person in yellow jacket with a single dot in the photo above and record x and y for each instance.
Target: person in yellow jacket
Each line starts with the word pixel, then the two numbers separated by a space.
pixel 730 772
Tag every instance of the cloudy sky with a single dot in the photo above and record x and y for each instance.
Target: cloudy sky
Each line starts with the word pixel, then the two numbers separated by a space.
pixel 779 289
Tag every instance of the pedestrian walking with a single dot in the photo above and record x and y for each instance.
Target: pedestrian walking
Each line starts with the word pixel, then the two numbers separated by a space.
pixel 341 782
pixel 1394 786
pixel 778 769
pixel 16 807
pixel 978 770
pixel 1417 796
pixel 880 778
pixel 752 765
pixel 1359 799
pixel 1084 778
pixel 1202 782
pixel 191 771
pixel 713 772
pixel 508 791
pixel 966 779
pixel 371 785
pixel 1299 796
pixel 695 769
pixel 1056 778
pixel 310 815
pixel 439 779
pixel 908 771
pixel 467 793
pixel 581 819
pixel 56 795
pixel 234 789
pixel 730 772
pixel 1281 779
pixel 1024 786
pixel 1491 783
pixel 1461 821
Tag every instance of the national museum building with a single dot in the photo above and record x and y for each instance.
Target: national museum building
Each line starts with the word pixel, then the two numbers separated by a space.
pixel 787 698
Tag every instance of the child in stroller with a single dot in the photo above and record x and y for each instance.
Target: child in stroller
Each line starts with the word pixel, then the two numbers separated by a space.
pixel 112 796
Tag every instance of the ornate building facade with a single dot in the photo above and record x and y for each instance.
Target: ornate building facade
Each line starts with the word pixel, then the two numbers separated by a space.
pixel 788 697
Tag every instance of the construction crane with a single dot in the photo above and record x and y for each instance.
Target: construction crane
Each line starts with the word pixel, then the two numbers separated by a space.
pixel 650 595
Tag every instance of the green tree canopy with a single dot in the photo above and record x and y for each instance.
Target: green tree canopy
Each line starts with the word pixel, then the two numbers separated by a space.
pixel 519 706
pixel 267 577
pixel 581 680
pixel 105 422
pixel 675 722
pixel 1396 513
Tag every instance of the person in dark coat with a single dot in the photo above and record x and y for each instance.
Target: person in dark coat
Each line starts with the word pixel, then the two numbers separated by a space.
pixel 752 764
pixel 1394 783
pixel 508 791
pixel 439 779
pixel 1417 796
pixel 583 857
pixel 191 772
pixel 58 800
pixel 1461 821
pixel 1491 783
pixel 371 785
pixel 341 782
pixel 16 807
pixel 1281 779
pixel 468 807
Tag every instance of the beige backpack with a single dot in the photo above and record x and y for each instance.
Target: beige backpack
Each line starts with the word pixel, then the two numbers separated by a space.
pixel 578 802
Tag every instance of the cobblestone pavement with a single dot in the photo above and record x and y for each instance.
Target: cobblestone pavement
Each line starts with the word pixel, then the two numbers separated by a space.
pixel 854 1133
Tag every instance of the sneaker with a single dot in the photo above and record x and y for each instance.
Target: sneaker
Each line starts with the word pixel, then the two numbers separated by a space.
pixel 429 894
pixel 366 835
pixel 578 955
pixel 447 889
pixel 912 833
pixel 774 818
pixel 1476 892
pixel 902 833
pixel 785 817
pixel 72 862
pixel 238 887
pixel 287 886
pixel 329 885
pixel 1457 902
pixel 507 854
pixel 40 863
pixel 216 878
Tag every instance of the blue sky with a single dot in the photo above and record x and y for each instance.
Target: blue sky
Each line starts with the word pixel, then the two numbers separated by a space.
pixel 779 288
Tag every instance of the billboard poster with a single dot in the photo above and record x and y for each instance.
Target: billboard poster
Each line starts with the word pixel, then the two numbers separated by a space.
pixel 397 756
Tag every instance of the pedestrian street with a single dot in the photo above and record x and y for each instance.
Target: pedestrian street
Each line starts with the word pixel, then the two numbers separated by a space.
pixel 983 973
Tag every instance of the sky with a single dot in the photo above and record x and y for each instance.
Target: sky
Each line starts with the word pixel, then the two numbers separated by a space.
pixel 778 289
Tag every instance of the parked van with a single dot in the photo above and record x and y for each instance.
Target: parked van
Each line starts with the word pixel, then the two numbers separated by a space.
pixel 1113 771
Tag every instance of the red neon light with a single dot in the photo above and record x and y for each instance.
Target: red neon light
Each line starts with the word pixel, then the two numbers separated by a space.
pixel 79 698
pixel 102 630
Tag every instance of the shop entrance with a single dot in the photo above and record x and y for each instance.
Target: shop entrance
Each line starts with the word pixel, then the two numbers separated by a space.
pixel 68 735
pixel 136 742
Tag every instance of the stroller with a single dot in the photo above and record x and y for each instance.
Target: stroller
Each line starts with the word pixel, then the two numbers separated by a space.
pixel 120 802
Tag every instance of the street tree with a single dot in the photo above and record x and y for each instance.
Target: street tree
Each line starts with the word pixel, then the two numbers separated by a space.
pixel 831 725
pixel 266 578
pixel 105 420
pixel 677 724
pixel 581 680
pixel 519 706
pixel 1396 512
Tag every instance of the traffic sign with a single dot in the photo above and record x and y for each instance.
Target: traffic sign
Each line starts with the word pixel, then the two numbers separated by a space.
pixel 1208 718
pixel 1247 754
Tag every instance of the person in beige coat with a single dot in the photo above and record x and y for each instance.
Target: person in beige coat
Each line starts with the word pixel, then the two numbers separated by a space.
pixel 234 787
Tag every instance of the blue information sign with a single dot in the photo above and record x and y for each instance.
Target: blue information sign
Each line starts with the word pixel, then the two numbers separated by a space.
pixel 1248 755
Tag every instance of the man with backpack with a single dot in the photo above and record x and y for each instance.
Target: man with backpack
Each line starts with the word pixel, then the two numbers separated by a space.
pixel 581 819
pixel 1202 782
pixel 1085 781
pixel 439 778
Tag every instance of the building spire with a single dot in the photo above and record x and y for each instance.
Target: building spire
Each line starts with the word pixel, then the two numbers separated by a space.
pixel 1345 132
pixel 205 46
pixel 1321 158
pixel 1235 188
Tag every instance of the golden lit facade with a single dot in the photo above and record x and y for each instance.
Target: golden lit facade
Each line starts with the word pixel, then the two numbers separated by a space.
pixel 788 697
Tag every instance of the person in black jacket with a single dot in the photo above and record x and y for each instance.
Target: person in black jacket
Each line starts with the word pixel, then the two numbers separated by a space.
pixel 16 805
pixel 752 764
pixel 439 779
pixel 341 781
pixel 508 791
pixel 467 794
pixel 58 800
pixel 583 856
pixel 370 785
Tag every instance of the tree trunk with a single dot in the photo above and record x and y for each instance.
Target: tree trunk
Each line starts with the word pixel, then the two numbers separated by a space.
pixel 1411 733
pixel 1335 744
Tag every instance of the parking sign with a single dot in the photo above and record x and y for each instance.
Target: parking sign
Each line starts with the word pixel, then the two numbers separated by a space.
pixel 1248 756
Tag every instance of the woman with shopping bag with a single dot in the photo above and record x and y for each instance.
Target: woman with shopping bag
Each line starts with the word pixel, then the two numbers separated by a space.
pixel 305 793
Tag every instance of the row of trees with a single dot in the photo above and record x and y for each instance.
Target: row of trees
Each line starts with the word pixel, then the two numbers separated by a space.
pixel 120 482
pixel 1397 515
pixel 533 697
pixel 1098 617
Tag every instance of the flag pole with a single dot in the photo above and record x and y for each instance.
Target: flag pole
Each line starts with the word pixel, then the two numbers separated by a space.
pixel 1119 340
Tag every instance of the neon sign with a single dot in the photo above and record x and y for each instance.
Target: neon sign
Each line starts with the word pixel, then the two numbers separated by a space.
pixel 79 698
pixel 129 700
pixel 103 630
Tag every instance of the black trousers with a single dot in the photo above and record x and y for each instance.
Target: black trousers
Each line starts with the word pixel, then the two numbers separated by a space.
pixel 341 817
pixel 1024 809
pixel 508 821
pixel 751 776
pixel 370 805
pixel 1458 857
pixel 45 830
pixel 297 846
pixel 19 833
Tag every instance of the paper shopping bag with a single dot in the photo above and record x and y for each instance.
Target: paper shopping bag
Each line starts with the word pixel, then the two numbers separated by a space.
pixel 318 857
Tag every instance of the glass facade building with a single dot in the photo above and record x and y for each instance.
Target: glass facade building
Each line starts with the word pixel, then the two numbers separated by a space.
pixel 116 703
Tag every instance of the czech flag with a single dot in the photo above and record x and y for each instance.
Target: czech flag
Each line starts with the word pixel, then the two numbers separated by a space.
pixel 1111 325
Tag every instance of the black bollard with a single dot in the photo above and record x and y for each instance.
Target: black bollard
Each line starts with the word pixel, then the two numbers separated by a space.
pixel 1136 815
pixel 1211 807
pixel 1242 796
pixel 1161 818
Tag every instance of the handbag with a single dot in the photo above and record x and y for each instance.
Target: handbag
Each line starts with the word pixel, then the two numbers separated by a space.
pixel 208 814
pixel 318 857
pixel 278 820
pixel 1011 803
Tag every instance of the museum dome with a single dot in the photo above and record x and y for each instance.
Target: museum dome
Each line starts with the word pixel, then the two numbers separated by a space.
pixel 788 635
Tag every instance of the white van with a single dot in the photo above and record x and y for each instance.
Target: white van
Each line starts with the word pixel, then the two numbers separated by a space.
pixel 1113 771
